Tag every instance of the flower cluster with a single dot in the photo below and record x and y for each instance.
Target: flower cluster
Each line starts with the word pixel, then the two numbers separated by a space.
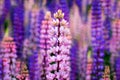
pixel 74 55
pixel 45 43
pixel 107 24
pixel 18 27
pixel 97 41
pixel 34 67
pixel 32 44
pixel 117 68
pixel 36 20
pixel 59 58
pixel 115 41
pixel 8 55
pixel 18 68
pixel 23 73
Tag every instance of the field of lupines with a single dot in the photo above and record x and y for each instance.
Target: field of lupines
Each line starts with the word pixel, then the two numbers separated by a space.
pixel 59 39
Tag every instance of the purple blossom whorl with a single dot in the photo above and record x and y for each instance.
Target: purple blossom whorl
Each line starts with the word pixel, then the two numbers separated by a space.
pixel 45 43
pixel 59 58
pixel 34 39
pixel 97 41
pixel 107 33
pixel 35 26
pixel 117 68
pixel 33 42
pixel 74 74
pixel 34 68
pixel 18 28
pixel 107 24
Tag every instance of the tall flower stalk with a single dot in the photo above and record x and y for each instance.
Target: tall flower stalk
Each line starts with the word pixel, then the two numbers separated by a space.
pixel 59 58
pixel 115 46
pixel 117 66
pixel 33 48
pixel 107 24
pixel 18 27
pixel 45 43
pixel 32 43
pixel 74 74
pixel 97 41
pixel 35 26
pixel 115 41
pixel 8 56
pixel 34 68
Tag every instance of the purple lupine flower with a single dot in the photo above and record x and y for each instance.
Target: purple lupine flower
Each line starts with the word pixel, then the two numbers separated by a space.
pixel 34 68
pixel 107 24
pixel 32 43
pixel 33 47
pixel 8 53
pixel 45 43
pixel 117 68
pixel 18 27
pixel 97 41
pixel 115 9
pixel 74 74
pixel 36 20
pixel 59 58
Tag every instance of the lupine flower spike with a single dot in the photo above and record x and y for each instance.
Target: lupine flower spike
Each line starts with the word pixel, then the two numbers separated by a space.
pixel 8 56
pixel 97 41
pixel 45 43
pixel 59 58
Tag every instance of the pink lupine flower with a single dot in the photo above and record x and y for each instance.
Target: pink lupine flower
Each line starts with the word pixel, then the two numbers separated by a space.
pixel 45 43
pixel 8 55
pixel 58 57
